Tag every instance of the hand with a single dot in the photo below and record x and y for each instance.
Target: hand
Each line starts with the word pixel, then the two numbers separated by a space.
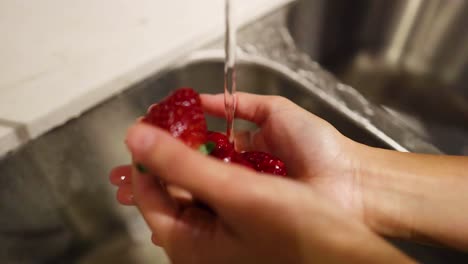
pixel 395 189
pixel 390 192
pixel 314 151
pixel 255 218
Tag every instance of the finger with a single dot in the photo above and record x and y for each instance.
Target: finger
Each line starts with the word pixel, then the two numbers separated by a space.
pixel 121 175
pixel 251 107
pixel 155 240
pixel 194 222
pixel 181 196
pixel 155 205
pixel 125 195
pixel 208 179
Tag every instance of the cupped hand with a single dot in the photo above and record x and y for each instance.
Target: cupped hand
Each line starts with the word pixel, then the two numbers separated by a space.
pixel 392 195
pixel 313 150
pixel 253 218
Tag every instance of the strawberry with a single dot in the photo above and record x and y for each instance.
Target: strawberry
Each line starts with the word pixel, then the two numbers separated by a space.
pixel 237 158
pixel 264 162
pixel 223 149
pixel 259 161
pixel 181 115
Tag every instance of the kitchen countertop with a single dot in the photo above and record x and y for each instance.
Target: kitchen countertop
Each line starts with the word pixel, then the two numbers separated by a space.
pixel 59 58
pixel 8 139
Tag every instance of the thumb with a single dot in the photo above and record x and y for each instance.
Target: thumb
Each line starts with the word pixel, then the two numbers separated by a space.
pixel 215 183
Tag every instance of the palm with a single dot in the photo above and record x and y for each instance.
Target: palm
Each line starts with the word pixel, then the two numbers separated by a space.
pixel 314 151
pixel 199 237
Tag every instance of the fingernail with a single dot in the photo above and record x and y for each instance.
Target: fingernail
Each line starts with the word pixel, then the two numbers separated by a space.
pixel 155 240
pixel 120 179
pixel 125 195
pixel 140 138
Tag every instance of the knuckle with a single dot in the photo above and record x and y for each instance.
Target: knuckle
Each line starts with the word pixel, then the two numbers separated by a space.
pixel 276 101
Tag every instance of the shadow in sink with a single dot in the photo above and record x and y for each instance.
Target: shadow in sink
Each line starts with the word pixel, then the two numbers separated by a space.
pixel 410 56
pixel 59 181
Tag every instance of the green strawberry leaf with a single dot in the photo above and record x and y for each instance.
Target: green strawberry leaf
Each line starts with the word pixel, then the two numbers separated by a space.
pixel 207 148
pixel 141 169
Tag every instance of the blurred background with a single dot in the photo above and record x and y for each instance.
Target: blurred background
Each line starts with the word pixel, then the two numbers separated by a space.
pixel 408 55
pixel 75 74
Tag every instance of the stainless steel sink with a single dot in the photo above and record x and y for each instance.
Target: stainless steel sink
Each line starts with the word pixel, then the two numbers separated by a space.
pixel 64 208
pixel 55 200
pixel 410 57
pixel 63 204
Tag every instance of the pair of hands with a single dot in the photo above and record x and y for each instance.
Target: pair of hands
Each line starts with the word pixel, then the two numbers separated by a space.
pixel 315 215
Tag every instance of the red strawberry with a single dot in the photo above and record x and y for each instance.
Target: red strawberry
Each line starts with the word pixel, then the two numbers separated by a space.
pixel 264 162
pixel 239 159
pixel 223 149
pixel 182 115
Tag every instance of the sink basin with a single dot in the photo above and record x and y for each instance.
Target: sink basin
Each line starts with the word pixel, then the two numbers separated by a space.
pixel 410 57
pixel 55 190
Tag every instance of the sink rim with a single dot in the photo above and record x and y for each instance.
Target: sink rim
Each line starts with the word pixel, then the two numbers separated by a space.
pixel 216 55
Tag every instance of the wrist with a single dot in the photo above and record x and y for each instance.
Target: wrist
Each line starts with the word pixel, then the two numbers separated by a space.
pixel 386 195
pixel 351 242
pixel 407 195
